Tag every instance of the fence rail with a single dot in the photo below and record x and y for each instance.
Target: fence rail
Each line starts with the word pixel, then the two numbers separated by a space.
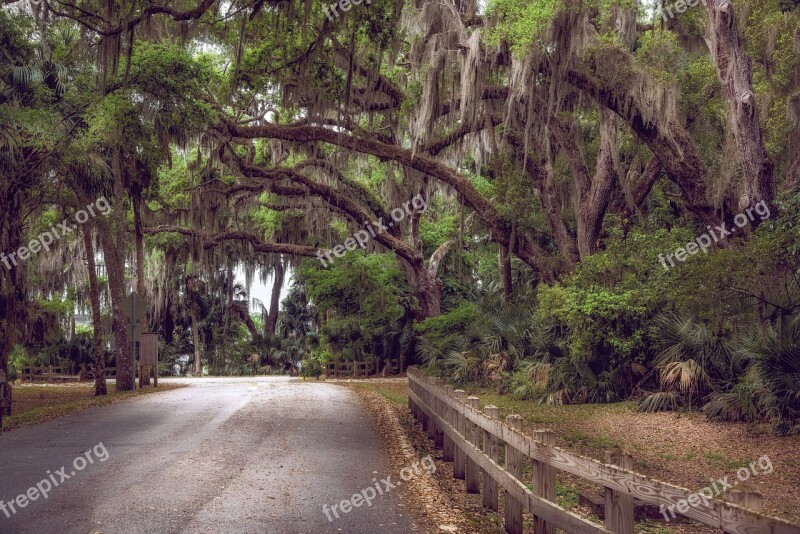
pixel 362 369
pixel 472 438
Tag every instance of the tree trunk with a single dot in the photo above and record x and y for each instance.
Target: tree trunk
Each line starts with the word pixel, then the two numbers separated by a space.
pixel 198 366
pixel 15 292
pixel 100 387
pixel 115 268
pixel 505 267
pixel 735 71
pixel 543 177
pixel 594 197
pixel 427 290
pixel 275 300
pixel 227 320
pixel 113 239
pixel 505 253
pixel 565 240
pixel 670 143
pixel 169 319
pixel 138 234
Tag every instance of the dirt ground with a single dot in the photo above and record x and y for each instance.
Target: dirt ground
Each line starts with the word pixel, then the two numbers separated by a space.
pixel 683 449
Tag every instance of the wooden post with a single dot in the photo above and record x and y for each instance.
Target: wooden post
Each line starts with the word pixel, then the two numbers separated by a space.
pixel 448 449
pixel 492 450
pixel 619 506
pixel 473 475
pixel 429 402
pixel 514 467
pixel 544 482
pixel 459 465
pixel 746 498
pixel 412 388
pixel 438 441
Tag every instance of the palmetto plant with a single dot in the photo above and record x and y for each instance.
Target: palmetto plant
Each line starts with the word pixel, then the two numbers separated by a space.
pixel 775 374
pixel 692 362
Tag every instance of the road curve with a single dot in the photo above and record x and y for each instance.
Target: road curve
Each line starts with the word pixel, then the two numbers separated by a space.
pixel 249 455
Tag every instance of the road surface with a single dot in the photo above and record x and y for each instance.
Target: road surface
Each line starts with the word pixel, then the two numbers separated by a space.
pixel 226 455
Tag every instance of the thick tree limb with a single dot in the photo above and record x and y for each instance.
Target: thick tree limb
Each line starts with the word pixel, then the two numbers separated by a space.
pixel 259 245
pixel 438 256
pixel 676 151
pixel 735 71
pixel 526 249
pixel 147 12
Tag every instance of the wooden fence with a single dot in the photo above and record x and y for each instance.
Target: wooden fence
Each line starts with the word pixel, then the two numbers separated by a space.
pixel 472 439
pixel 51 373
pixel 56 373
pixel 342 369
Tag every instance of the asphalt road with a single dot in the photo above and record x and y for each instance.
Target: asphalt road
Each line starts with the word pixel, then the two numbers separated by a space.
pixel 256 455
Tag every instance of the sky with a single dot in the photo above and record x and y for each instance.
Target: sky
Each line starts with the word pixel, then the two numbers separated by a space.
pixel 263 292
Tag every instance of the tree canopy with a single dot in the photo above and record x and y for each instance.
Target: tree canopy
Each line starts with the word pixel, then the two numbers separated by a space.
pixel 564 151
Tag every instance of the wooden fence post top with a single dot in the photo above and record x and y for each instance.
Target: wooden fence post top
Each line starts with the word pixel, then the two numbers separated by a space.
pixel 514 421
pixel 745 497
pixel 492 411
pixel 460 394
pixel 619 458
pixel 474 402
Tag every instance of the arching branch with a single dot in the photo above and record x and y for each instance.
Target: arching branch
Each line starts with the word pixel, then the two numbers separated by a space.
pixel 526 248
pixel 259 245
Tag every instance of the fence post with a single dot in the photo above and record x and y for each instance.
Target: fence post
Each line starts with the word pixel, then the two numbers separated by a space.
pixel 431 428
pixel 490 447
pixel 514 467
pixel 422 415
pixel 473 477
pixel 459 466
pixel 746 498
pixel 544 482
pixel 438 441
pixel 448 448
pixel 619 506
pixel 412 388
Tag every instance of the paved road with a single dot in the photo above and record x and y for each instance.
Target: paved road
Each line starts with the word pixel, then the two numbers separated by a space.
pixel 225 455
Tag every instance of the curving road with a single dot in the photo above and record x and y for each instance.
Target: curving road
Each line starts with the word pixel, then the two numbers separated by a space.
pixel 250 455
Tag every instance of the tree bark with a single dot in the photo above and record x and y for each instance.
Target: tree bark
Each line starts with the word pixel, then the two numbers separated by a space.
pixel 543 177
pixel 735 70
pixel 138 233
pixel 113 238
pixel 14 294
pixel 525 247
pixel 426 288
pixel 275 299
pixel 593 201
pixel 670 143
pixel 114 255
pixel 100 387
pixel 198 365
pixel 504 252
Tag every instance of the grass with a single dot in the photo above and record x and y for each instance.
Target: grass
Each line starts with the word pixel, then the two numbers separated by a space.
pixel 566 496
pixel 34 404
pixel 592 441
pixel 546 414
pixel 394 390
pixel 652 527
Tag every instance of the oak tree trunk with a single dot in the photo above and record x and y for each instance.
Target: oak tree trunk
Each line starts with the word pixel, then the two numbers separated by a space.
pixel 735 71
pixel 275 299
pixel 100 387
pixel 113 233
